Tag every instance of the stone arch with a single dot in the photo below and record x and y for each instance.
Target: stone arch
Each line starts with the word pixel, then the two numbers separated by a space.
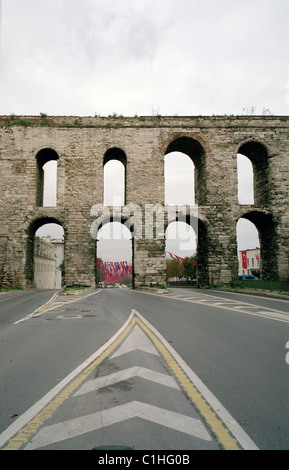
pixel 30 243
pixel 245 180
pixel 266 226
pixel 179 179
pixel 199 226
pixel 258 154
pixel 127 221
pixel 117 154
pixel 43 157
pixel 129 224
pixel 191 146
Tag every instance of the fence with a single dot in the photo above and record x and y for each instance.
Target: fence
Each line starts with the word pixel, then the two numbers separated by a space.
pixel 280 286
pixel 182 283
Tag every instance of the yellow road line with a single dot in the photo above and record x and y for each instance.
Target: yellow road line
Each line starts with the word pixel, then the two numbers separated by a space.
pixel 42 309
pixel 218 428
pixel 26 433
pixel 216 425
pixel 51 305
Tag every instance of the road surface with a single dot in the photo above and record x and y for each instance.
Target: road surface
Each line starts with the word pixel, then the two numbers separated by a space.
pixel 191 369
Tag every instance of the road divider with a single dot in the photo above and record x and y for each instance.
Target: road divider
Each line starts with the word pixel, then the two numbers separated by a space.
pixel 29 430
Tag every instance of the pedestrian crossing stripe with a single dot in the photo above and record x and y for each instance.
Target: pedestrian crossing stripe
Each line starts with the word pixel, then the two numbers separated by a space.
pixel 234 305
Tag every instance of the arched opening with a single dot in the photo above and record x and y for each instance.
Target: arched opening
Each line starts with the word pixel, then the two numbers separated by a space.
pixel 245 180
pixel 114 249
pixel 257 243
pixel 46 178
pixel 114 167
pixel 188 239
pixel 193 149
pixel 179 179
pixel 181 239
pixel 248 244
pixel 258 156
pixel 45 254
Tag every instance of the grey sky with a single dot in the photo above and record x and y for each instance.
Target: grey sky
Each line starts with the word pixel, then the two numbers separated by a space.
pixel 191 57
pixel 81 57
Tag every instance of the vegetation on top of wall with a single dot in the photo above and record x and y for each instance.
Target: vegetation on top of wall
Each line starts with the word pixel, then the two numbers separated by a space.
pixel 116 121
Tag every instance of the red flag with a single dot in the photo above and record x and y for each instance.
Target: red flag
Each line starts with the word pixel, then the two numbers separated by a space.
pixel 244 259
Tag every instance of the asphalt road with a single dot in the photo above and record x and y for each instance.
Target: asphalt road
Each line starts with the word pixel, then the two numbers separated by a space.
pixel 234 344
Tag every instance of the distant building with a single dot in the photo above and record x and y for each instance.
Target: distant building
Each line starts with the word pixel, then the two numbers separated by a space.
pixel 249 261
pixel 48 260
pixel 44 264
pixel 59 257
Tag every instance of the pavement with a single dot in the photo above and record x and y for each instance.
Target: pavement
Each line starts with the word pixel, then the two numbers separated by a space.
pixel 136 390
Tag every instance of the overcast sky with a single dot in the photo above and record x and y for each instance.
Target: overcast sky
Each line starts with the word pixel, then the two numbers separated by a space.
pixel 190 57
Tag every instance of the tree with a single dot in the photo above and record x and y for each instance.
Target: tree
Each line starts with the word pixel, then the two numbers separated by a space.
pixel 256 273
pixel 173 267
pixel 190 267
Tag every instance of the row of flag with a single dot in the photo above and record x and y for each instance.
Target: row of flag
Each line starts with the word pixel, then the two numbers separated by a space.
pixel 171 255
pixel 113 271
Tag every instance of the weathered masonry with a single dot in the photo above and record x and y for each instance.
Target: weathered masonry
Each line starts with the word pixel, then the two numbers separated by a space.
pixel 81 147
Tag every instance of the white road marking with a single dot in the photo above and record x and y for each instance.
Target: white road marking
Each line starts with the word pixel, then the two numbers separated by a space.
pixel 233 305
pixel 236 430
pixel 37 407
pixel 222 303
pixel 67 429
pixel 39 311
pixel 69 317
pixel 77 427
pixel 136 340
pixel 148 374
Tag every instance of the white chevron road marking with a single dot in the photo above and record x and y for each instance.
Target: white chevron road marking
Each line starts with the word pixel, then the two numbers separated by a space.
pixel 148 374
pixel 77 427
pixel 136 340
pixel 136 334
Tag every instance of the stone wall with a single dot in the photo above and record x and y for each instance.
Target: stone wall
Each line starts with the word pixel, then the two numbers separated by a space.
pixel 79 145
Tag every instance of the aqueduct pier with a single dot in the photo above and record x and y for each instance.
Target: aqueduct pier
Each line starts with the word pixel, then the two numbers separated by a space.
pixel 82 145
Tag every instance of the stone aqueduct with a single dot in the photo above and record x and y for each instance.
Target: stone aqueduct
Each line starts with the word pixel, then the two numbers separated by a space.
pixel 81 146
